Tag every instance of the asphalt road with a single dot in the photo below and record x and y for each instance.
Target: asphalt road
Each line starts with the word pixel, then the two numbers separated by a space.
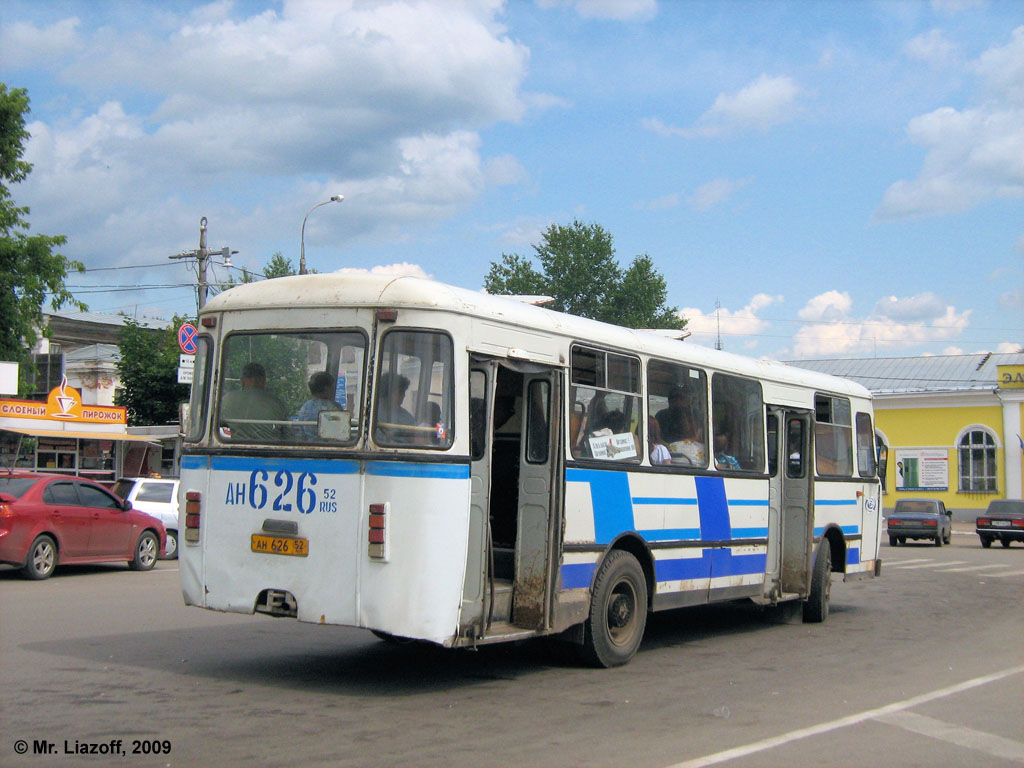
pixel 924 666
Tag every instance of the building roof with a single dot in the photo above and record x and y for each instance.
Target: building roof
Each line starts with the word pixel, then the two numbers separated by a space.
pixel 898 375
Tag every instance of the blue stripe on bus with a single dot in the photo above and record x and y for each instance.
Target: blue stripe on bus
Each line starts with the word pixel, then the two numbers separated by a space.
pixel 671 534
pixel 712 563
pixel 713 507
pixel 576 575
pixel 666 501
pixel 193 462
pixel 849 530
pixel 415 469
pixel 248 464
pixel 834 502
pixel 853 556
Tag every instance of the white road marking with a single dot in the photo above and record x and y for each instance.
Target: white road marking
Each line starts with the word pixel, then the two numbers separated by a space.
pixel 897 563
pixel 996 746
pixel 997 566
pixel 845 722
pixel 1006 573
pixel 931 564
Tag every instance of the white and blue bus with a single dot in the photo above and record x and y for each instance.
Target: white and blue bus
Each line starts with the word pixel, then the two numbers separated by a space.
pixel 430 462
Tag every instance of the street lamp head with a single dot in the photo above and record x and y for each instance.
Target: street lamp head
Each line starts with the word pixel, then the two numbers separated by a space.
pixel 337 198
pixel 302 235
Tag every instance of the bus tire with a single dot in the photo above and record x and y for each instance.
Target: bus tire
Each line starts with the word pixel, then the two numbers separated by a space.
pixel 816 607
pixel 618 612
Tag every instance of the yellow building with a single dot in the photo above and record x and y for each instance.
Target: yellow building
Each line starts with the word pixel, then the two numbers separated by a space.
pixel 951 425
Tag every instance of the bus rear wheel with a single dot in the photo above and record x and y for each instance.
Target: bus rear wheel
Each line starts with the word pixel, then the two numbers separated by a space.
pixel 816 607
pixel 618 612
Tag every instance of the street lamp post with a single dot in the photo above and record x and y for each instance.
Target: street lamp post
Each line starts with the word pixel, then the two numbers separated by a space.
pixel 302 237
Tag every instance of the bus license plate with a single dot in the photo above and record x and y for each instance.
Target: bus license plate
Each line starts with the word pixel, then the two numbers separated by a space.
pixel 280 545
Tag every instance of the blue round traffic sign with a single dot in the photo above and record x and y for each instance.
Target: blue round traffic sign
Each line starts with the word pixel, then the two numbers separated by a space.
pixel 187 338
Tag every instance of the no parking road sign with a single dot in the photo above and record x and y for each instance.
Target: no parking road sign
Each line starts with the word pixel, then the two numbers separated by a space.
pixel 187 338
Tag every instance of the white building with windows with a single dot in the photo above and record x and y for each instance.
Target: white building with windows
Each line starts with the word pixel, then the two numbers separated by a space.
pixel 952 425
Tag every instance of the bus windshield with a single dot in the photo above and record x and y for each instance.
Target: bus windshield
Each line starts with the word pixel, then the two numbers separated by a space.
pixel 299 387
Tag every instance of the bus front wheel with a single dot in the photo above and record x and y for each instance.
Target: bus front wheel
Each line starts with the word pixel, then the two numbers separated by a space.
pixel 618 612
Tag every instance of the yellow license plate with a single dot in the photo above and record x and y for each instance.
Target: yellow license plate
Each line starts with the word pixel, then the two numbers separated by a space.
pixel 280 545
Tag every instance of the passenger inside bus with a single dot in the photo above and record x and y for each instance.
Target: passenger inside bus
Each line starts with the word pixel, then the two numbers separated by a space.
pixel 321 387
pixel 393 387
pixel 656 444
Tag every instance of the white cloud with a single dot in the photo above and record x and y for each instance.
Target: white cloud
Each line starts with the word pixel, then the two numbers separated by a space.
pixel 931 47
pixel 24 45
pixel 831 332
pixel 763 103
pixel 618 10
pixel 919 307
pixel 825 307
pixel 663 203
pixel 373 99
pixel 715 192
pixel 705 327
pixel 972 155
pixel 402 269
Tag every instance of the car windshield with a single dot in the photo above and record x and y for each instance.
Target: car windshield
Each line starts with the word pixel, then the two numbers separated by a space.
pixel 916 508
pixel 16 486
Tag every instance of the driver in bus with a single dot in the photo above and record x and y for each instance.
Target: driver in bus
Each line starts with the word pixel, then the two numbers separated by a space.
pixel 393 387
pixel 252 403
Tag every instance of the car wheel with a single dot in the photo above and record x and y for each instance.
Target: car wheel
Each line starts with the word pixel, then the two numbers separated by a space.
pixel 816 607
pixel 903 539
pixel 893 541
pixel 41 560
pixel 1005 542
pixel 938 539
pixel 147 550
pixel 618 612
pixel 986 542
pixel 171 548
pixel 947 538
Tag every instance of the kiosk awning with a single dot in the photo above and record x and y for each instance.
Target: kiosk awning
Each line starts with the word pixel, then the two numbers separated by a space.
pixel 81 435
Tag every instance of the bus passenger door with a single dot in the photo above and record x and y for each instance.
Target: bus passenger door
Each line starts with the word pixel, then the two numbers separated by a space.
pixel 538 524
pixel 481 395
pixel 791 503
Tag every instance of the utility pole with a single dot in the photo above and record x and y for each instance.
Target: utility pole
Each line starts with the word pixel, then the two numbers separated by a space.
pixel 202 256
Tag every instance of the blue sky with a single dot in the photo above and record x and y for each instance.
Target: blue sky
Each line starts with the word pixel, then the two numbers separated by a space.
pixel 816 179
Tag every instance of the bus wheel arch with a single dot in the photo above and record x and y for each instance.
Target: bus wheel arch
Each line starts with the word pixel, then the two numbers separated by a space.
pixel 829 557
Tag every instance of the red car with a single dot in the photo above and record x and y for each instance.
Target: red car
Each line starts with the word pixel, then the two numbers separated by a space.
pixel 51 520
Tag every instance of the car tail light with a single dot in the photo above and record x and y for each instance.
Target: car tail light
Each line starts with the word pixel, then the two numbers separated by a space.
pixel 932 523
pixel 193 501
pixel 377 535
pixel 1017 523
pixel 984 521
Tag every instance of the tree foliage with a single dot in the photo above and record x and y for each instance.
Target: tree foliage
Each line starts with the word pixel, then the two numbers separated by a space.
pixel 148 369
pixel 30 270
pixel 580 272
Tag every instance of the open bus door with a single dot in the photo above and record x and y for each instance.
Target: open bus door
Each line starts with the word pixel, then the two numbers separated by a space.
pixel 514 425
pixel 791 504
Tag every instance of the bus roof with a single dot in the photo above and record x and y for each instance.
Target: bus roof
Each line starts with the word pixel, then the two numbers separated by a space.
pixel 389 291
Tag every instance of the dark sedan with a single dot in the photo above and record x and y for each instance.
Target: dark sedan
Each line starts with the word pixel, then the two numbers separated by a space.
pixel 51 520
pixel 1003 520
pixel 920 519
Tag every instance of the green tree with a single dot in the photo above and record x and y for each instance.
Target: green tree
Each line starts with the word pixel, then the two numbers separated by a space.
pixel 580 272
pixel 30 270
pixel 148 369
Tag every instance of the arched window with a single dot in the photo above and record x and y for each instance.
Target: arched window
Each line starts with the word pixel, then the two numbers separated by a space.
pixel 977 458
